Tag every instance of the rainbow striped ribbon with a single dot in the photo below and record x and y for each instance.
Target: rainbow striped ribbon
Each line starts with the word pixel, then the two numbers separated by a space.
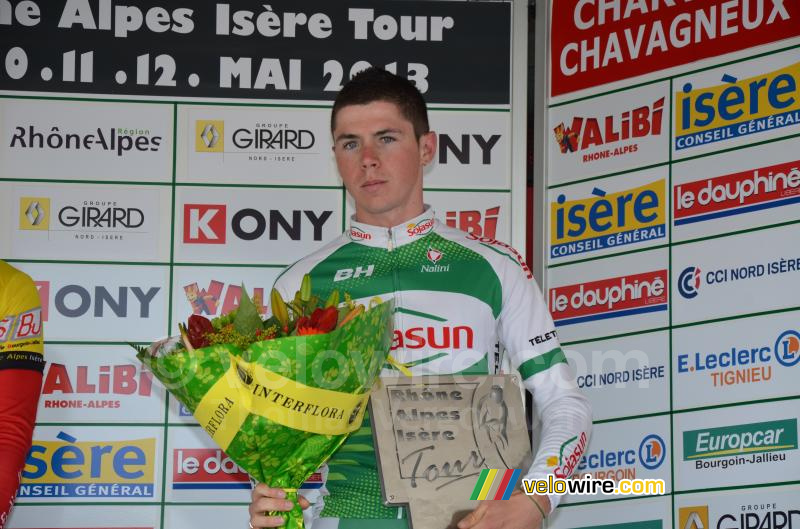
pixel 487 479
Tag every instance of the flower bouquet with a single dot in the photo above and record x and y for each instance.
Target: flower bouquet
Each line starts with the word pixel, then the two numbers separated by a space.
pixel 278 396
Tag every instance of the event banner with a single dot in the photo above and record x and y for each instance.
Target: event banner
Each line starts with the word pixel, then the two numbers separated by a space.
pixel 671 219
pixel 159 159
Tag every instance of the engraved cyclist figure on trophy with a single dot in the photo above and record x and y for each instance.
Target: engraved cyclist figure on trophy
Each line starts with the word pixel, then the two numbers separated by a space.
pixel 493 419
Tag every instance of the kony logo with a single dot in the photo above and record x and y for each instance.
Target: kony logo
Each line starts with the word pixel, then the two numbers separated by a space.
pixel 206 468
pixel 420 228
pixel 734 194
pixel 75 301
pixel 609 298
pixel 474 222
pixel 590 132
pixel 206 223
pixel 212 301
pixel 79 386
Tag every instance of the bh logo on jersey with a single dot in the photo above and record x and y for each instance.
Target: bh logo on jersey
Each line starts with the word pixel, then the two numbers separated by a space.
pixel 689 282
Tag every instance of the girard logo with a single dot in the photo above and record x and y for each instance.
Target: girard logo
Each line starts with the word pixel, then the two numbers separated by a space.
pixel 590 132
pixel 68 468
pixel 209 136
pixel 34 213
pixel 607 220
pixel 737 107
pixel 693 518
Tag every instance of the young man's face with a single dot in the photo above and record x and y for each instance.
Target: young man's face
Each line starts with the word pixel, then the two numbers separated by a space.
pixel 381 161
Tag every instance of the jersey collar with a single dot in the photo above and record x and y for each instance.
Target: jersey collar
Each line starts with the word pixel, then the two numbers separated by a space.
pixel 391 238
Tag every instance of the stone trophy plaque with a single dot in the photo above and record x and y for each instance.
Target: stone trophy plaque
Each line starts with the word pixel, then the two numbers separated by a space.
pixel 434 435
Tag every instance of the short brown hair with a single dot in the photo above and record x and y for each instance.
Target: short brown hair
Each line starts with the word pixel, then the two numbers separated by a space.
pixel 376 84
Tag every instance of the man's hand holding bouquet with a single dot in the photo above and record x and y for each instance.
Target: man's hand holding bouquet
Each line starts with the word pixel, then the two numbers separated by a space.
pixel 280 395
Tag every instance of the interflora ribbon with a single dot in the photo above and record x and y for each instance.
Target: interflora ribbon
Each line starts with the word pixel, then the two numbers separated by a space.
pixel 248 388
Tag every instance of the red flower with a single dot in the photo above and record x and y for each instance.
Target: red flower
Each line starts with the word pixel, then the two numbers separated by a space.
pixel 197 329
pixel 321 321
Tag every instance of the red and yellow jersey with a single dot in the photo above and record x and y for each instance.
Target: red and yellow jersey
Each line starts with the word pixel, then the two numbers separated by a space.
pixel 21 344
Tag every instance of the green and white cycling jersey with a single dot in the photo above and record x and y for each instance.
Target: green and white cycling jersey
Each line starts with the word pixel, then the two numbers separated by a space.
pixel 457 297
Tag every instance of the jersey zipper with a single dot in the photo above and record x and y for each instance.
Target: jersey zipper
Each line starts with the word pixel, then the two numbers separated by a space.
pixel 390 244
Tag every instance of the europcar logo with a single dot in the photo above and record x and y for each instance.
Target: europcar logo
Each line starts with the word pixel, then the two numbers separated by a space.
pixel 689 282
pixel 607 220
pixel 744 364
pixel 693 517
pixel 614 297
pixel 596 132
pixel 34 213
pixel 206 468
pixel 737 193
pixel 621 464
pixel 68 468
pixel 737 107
pixel 754 438
pixel 209 136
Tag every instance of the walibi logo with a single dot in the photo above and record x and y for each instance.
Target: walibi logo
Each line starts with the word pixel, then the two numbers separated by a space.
pixel 689 282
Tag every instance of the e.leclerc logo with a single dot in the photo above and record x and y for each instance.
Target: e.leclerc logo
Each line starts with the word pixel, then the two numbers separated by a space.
pixel 69 468
pixel 614 297
pixel 622 463
pixel 607 220
pixel 738 193
pixel 763 442
pixel 737 107
pixel 691 278
pixel 744 363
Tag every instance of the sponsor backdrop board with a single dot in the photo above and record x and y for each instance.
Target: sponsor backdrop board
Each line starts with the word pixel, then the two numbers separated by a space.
pixel 667 221
pixel 153 163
